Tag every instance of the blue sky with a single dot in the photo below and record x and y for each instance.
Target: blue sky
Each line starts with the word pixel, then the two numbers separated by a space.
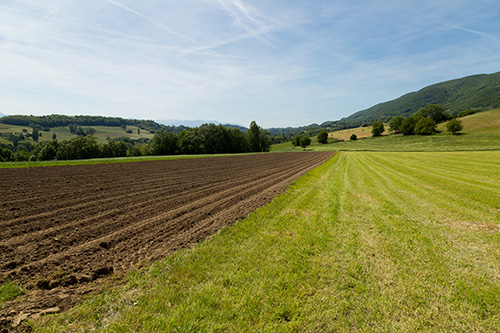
pixel 279 62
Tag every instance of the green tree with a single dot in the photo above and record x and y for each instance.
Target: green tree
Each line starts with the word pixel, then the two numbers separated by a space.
pixel 323 137
pixel 305 141
pixel 301 140
pixel 425 126
pixel 80 147
pixel 395 123
pixel 407 126
pixel 296 140
pixel 435 112
pixel 253 135
pixel 190 141
pixel 164 143
pixel 48 150
pixel 378 128
pixel 114 148
pixel 54 136
pixel 258 139
pixel 454 126
pixel 354 137
pixel 35 134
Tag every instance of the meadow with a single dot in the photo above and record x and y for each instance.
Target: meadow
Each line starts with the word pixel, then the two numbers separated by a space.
pixel 369 241
pixel 62 133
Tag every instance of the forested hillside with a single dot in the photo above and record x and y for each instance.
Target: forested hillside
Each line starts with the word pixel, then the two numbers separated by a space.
pixel 472 92
pixel 57 120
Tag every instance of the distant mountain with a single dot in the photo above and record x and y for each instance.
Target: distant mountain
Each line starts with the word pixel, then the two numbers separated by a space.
pixel 472 92
pixel 2 115
pixel 188 123
pixel 197 123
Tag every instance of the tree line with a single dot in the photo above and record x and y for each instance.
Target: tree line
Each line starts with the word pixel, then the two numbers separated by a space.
pixel 424 121
pixel 206 139
pixel 57 120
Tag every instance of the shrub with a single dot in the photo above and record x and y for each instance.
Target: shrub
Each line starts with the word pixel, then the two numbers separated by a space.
pixel 454 126
pixel 425 126
pixel 354 137
pixel 378 128
pixel 322 137
pixel 395 123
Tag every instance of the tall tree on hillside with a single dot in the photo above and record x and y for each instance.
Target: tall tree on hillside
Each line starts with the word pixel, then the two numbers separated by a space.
pixel 378 128
pixel 35 134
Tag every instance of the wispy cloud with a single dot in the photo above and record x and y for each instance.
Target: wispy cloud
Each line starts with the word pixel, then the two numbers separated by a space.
pixel 280 62
pixel 479 33
pixel 135 12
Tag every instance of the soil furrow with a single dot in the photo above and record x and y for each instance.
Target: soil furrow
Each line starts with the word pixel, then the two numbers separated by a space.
pixel 76 235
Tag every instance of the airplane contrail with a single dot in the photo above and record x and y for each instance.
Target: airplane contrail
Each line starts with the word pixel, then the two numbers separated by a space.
pixel 118 4
pixel 473 31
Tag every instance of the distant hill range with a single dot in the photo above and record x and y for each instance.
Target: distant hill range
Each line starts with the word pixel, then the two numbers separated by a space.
pixel 472 92
pixel 197 123
pixel 2 115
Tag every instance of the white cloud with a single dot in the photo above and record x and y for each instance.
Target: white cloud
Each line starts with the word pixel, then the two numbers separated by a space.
pixel 280 63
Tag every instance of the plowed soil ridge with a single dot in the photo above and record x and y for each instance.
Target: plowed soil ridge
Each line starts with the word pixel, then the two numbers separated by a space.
pixel 65 229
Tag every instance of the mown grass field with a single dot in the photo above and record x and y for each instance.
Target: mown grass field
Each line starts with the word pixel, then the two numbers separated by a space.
pixel 369 241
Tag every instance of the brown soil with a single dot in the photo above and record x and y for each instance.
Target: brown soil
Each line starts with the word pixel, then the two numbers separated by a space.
pixel 67 230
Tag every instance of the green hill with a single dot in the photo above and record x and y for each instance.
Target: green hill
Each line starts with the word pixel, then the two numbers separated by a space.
pixel 472 92
pixel 479 123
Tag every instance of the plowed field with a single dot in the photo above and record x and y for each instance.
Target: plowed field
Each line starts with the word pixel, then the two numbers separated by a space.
pixel 65 230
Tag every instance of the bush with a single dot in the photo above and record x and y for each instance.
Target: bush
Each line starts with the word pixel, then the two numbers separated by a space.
pixel 354 137
pixel 378 128
pixel 301 140
pixel 425 126
pixel 435 112
pixel 395 123
pixel 322 137
pixel 454 126
pixel 407 126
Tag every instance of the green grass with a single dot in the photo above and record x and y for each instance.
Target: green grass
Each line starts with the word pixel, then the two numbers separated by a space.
pixel 480 123
pixel 63 133
pixel 415 143
pixel 369 241
pixel 8 291
pixel 361 132
pixel 26 164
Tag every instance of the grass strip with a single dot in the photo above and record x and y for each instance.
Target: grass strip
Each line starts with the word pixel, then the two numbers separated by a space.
pixel 26 164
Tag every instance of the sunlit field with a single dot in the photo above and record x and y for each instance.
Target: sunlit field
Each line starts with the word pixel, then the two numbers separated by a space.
pixel 369 241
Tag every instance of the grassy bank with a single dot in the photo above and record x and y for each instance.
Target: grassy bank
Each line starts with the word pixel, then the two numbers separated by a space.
pixel 366 242
pixel 412 143
pixel 25 164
